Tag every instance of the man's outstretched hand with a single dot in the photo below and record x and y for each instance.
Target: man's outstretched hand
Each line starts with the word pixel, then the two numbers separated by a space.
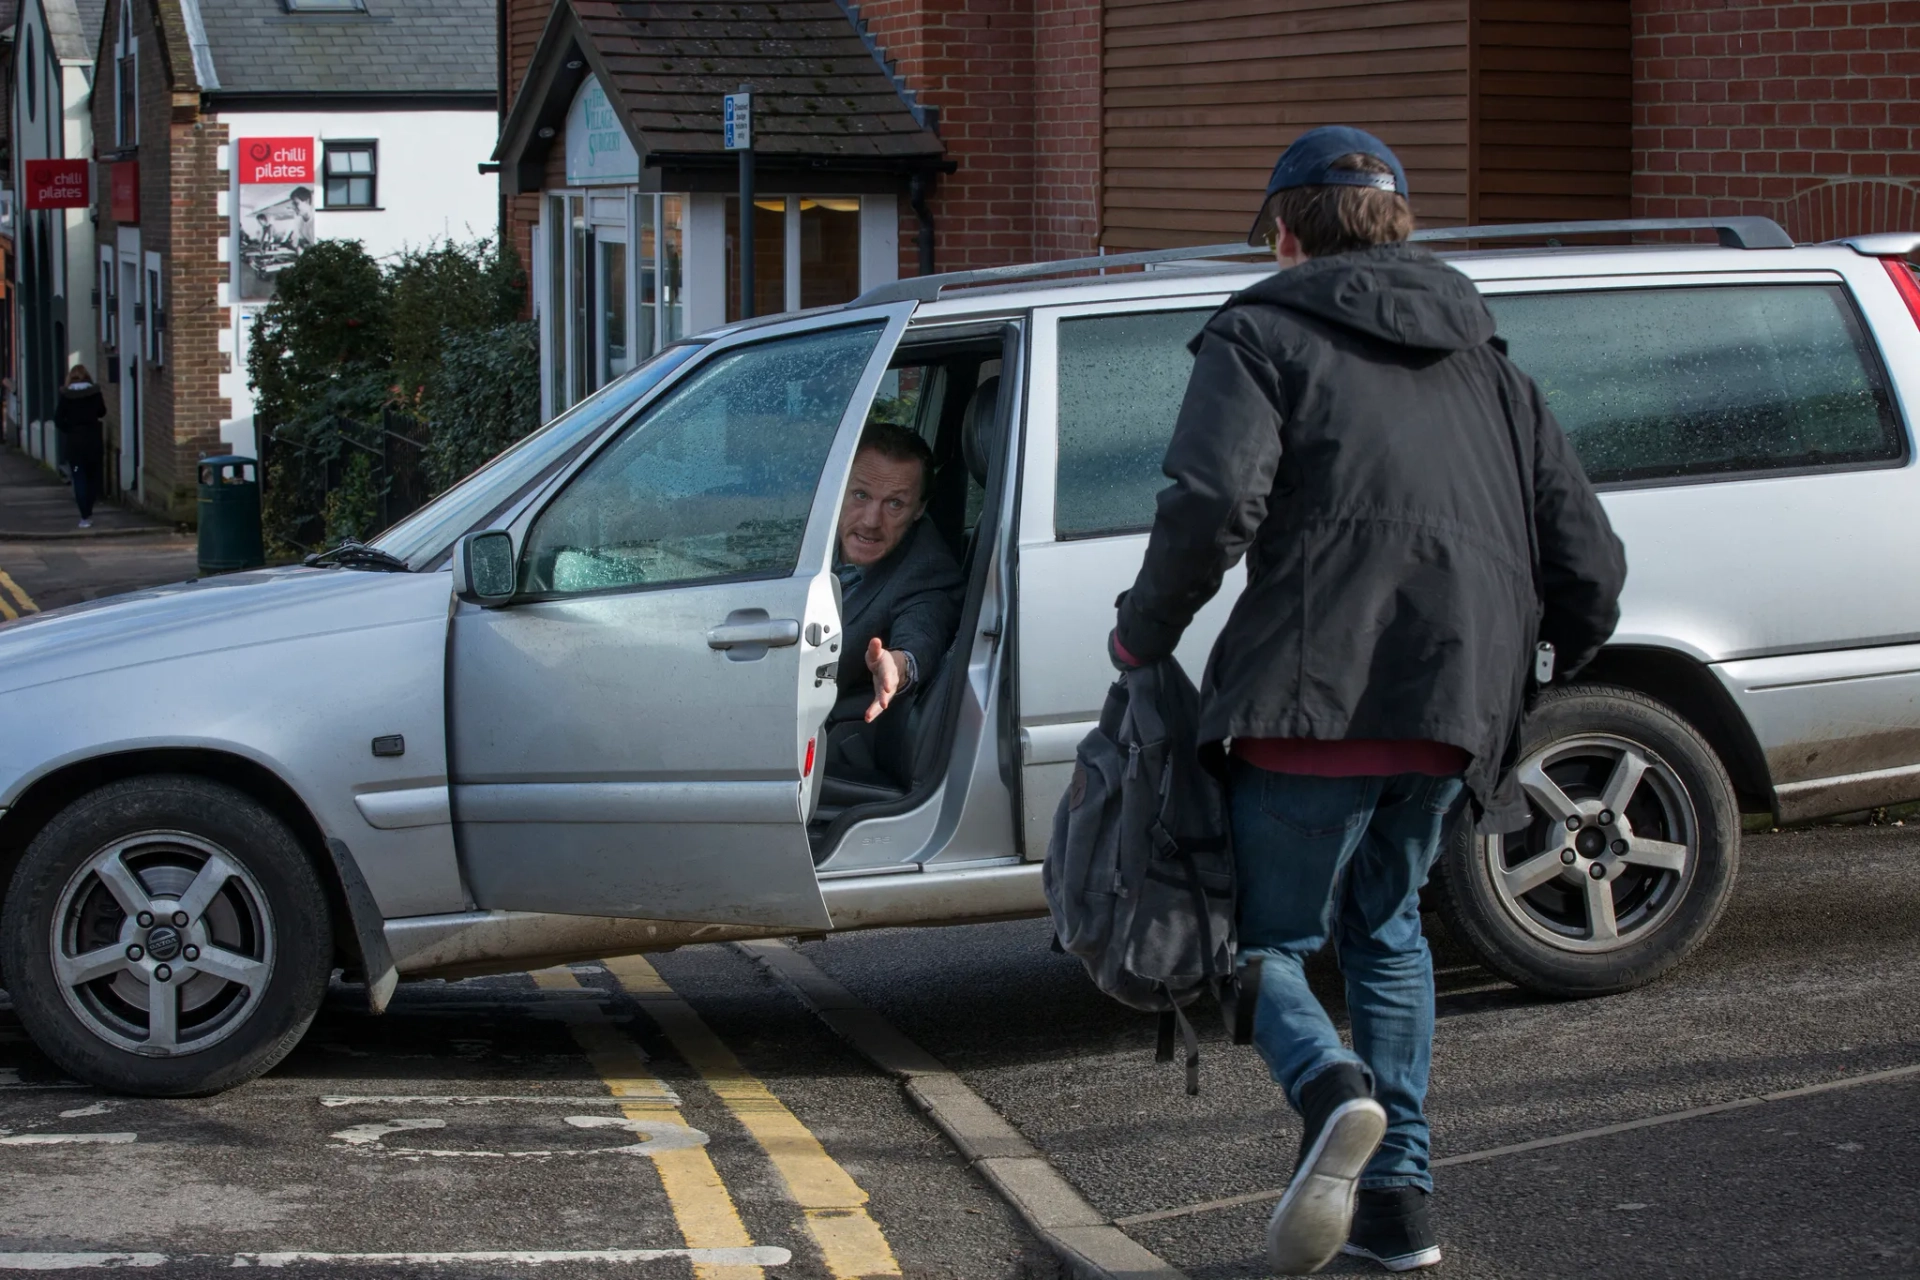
pixel 889 667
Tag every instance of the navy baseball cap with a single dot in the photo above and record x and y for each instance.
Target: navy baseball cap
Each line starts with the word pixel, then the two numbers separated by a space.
pixel 1309 163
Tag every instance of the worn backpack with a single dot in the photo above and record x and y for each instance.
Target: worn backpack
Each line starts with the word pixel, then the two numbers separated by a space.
pixel 1139 872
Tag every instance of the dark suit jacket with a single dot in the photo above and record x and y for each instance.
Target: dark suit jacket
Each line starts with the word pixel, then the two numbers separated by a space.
pixel 911 601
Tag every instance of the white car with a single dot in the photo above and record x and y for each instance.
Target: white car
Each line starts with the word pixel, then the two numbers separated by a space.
pixel 574 706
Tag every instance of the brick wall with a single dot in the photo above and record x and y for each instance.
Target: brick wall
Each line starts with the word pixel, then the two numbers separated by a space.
pixel 1805 113
pixel 974 60
pixel 1066 93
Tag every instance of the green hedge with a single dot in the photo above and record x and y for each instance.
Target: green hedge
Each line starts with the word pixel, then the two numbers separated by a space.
pixel 378 384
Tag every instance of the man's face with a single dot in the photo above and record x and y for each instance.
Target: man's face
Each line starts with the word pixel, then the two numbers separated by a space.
pixel 883 501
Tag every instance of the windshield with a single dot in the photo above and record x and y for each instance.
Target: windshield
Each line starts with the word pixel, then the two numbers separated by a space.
pixel 422 537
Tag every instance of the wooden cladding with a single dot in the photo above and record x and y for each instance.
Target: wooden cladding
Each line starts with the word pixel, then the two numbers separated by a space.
pixel 1198 98
pixel 1553 110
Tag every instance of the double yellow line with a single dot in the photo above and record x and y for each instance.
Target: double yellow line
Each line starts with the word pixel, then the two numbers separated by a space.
pixel 21 602
pixel 850 1241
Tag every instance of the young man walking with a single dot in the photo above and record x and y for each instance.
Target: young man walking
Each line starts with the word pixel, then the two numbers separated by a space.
pixel 1414 522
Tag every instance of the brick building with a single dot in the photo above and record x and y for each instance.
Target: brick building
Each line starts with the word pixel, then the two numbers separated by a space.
pixel 227 136
pixel 1069 127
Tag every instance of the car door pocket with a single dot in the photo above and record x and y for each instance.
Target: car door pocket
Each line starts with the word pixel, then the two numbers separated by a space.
pixel 747 634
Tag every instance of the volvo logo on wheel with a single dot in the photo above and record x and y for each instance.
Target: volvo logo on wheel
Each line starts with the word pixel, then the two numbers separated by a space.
pixel 163 943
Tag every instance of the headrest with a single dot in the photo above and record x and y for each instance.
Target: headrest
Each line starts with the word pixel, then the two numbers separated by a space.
pixel 976 433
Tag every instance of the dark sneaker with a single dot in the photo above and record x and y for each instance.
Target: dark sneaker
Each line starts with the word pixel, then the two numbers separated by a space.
pixel 1391 1227
pixel 1343 1128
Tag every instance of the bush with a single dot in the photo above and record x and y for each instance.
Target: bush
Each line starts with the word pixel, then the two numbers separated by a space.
pixel 484 395
pixel 376 385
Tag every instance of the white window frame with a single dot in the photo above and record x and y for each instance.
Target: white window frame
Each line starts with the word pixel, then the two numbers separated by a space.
pixel 154 286
pixel 109 272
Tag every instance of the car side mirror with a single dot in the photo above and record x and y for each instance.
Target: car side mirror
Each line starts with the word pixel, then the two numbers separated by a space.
pixel 483 571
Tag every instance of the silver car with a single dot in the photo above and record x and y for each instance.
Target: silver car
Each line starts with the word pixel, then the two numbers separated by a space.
pixel 574 707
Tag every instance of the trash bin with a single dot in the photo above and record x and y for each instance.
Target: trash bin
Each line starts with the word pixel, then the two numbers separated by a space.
pixel 230 514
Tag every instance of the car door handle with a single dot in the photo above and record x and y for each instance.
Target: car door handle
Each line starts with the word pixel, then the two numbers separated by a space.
pixel 773 633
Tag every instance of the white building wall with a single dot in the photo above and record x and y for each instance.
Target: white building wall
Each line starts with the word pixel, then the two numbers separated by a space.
pixel 430 189
pixel 59 125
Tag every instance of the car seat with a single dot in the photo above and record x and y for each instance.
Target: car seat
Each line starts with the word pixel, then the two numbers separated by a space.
pixel 890 758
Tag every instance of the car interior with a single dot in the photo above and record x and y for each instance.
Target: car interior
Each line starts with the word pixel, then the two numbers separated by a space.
pixel 948 390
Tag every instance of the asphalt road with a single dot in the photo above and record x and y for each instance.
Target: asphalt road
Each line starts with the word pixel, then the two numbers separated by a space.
pixel 1812 980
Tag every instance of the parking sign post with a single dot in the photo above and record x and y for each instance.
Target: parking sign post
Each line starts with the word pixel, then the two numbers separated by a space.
pixel 737 124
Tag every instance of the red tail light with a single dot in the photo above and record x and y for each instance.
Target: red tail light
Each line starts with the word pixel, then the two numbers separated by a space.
pixel 1903 280
pixel 807 770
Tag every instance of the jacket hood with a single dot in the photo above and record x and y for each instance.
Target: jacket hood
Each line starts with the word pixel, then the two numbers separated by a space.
pixel 79 390
pixel 1396 293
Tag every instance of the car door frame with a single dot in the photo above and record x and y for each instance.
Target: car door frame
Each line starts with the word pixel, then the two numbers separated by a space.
pixel 736 904
pixel 1045 737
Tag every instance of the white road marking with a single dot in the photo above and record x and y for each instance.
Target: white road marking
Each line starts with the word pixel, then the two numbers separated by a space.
pixel 78 1261
pixel 365 1134
pixel 657 1135
pixel 97 1109
pixel 751 1256
pixel 57 1139
pixel 661 1094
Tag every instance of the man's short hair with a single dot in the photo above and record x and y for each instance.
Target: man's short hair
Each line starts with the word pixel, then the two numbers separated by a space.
pixel 901 445
pixel 1342 219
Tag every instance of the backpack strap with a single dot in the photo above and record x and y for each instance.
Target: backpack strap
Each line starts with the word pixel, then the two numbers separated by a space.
pixel 1173 1020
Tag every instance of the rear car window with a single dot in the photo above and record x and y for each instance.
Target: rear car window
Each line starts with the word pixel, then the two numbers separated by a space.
pixel 1720 380
pixel 1121 381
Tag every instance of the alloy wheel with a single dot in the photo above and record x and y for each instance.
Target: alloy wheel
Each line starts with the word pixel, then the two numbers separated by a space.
pixel 1610 851
pixel 162 943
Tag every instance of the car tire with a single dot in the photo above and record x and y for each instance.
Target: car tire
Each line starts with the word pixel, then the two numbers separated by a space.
pixel 115 989
pixel 1621 898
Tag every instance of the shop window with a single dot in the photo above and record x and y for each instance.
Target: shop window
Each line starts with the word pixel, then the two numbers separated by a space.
pixel 829 251
pixel 769 257
pixel 352 170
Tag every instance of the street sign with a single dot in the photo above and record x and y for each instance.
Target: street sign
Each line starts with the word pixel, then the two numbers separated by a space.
pixel 736 117
pixel 57 184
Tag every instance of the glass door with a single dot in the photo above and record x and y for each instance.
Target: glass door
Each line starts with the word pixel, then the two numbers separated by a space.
pixel 614 341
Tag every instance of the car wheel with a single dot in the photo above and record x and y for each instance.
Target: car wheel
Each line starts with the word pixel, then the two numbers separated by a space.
pixel 166 936
pixel 1629 858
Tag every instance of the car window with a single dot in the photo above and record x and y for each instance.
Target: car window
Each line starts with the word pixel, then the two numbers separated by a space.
pixel 714 481
pixel 423 536
pixel 1121 381
pixel 1664 383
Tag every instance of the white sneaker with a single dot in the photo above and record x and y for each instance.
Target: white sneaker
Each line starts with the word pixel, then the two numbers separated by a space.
pixel 1313 1218
pixel 86 524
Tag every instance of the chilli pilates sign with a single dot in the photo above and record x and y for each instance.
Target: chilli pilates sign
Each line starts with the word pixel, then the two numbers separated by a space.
pixel 275 160
pixel 57 184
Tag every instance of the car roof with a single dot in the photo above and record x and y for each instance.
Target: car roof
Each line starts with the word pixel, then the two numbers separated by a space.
pixel 1747 245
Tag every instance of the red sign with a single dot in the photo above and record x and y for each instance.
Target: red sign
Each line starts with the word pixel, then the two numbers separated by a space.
pixel 275 160
pixel 126 191
pixel 57 184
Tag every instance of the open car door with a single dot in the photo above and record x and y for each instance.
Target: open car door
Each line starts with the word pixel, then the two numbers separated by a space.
pixel 634 733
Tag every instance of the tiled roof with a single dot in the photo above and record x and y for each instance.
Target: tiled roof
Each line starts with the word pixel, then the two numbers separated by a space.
pixel 397 46
pixel 73 27
pixel 818 89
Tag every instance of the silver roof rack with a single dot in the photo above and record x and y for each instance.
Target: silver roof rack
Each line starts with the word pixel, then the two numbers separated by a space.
pixel 1734 233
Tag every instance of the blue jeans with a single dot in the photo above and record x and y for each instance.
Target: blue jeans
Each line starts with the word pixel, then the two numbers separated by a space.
pixel 1344 859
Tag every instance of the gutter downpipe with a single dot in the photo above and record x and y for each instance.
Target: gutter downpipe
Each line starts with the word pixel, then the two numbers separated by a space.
pixel 919 187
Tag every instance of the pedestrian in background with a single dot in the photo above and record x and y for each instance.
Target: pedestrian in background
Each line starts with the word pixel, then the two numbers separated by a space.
pixel 1414 522
pixel 77 417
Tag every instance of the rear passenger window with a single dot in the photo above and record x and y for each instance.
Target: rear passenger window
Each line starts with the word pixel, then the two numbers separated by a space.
pixel 1121 381
pixel 1657 384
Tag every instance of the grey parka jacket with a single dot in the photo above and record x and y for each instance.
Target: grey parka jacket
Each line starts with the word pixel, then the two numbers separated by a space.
pixel 1353 428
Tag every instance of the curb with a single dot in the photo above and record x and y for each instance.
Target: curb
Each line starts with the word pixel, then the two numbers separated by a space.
pixel 1088 1245
pixel 20 535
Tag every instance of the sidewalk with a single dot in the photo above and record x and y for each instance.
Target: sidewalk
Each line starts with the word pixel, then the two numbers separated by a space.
pixel 36 504
pixel 47 561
